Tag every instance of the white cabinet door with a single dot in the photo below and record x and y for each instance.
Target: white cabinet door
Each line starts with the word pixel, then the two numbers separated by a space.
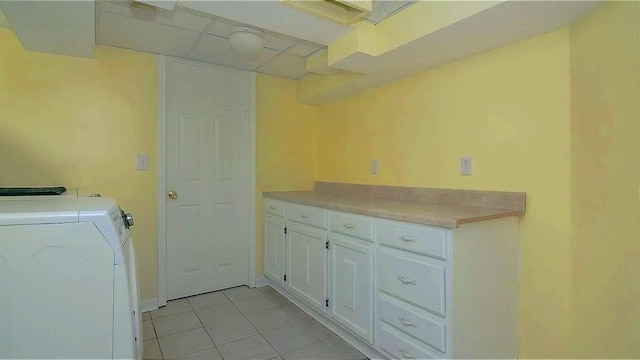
pixel 274 240
pixel 307 264
pixel 351 296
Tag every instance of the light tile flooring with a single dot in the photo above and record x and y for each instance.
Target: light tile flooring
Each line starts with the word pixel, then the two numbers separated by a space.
pixel 239 323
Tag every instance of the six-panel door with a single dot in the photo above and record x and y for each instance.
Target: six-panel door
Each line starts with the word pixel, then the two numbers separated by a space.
pixel 351 286
pixel 206 127
pixel 274 252
pixel 307 264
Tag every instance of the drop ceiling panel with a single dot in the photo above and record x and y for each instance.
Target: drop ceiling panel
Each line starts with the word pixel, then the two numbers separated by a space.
pixel 382 9
pixel 122 7
pixel 272 15
pixel 222 27
pixel 225 27
pixel 3 20
pixel 304 48
pixel 183 18
pixel 285 65
pixel 54 27
pixel 278 41
pixel 216 50
pixel 130 33
pixel 165 4
pixel 178 17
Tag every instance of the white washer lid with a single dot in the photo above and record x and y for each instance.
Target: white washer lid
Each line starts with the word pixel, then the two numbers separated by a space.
pixel 65 209
pixel 51 209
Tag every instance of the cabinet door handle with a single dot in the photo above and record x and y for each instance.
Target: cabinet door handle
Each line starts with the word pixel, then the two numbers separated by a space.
pixel 272 207
pixel 406 322
pixel 406 354
pixel 304 216
pixel 407 238
pixel 349 226
pixel 405 280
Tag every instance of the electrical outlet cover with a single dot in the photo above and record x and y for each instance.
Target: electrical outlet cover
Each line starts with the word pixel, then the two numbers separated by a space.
pixel 465 166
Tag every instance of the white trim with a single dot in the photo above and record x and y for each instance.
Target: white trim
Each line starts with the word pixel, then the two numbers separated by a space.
pixel 148 305
pixel 250 185
pixel 162 186
pixel 250 233
pixel 262 281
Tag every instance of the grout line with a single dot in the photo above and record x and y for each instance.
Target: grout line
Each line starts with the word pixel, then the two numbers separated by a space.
pixel 159 348
pixel 180 332
pixel 244 317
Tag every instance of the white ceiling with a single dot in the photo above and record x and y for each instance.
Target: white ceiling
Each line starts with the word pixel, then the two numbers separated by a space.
pixel 55 27
pixel 274 16
pixel 380 10
pixel 199 36
pixel 199 30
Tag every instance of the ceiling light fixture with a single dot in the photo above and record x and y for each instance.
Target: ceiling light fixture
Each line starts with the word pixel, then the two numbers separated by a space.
pixel 247 41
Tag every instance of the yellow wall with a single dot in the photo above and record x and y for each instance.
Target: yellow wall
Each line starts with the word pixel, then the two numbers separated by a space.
pixel 555 116
pixel 80 123
pixel 286 145
pixel 509 109
pixel 605 173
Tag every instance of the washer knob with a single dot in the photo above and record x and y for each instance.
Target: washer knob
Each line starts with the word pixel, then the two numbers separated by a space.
pixel 128 219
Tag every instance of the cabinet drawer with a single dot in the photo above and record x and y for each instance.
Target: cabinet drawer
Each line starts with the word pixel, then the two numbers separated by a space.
pixel 432 332
pixel 399 348
pixel 418 239
pixel 274 207
pixel 307 215
pixel 420 283
pixel 351 225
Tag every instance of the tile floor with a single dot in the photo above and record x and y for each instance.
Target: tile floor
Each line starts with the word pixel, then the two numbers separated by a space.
pixel 239 323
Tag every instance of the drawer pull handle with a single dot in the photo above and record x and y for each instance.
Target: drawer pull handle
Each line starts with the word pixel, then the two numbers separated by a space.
pixel 407 238
pixel 272 207
pixel 406 322
pixel 406 354
pixel 349 226
pixel 304 216
pixel 404 280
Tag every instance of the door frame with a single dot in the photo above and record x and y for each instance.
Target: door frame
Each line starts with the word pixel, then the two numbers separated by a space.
pixel 249 170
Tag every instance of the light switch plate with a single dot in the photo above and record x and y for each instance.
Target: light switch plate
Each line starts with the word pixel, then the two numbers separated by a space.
pixel 374 167
pixel 465 166
pixel 143 161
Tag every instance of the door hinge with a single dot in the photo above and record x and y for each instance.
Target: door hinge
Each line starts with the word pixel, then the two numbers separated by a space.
pixel 326 302
pixel 285 230
pixel 285 277
pixel 326 244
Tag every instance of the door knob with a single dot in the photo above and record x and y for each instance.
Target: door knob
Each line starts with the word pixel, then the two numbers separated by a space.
pixel 173 195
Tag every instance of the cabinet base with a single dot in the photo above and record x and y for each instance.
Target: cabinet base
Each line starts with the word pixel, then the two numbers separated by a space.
pixel 363 347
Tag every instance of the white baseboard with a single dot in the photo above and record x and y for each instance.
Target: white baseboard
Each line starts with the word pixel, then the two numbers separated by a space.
pixel 262 281
pixel 148 305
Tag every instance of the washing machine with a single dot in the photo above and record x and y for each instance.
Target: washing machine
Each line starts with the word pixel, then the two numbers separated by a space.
pixel 68 279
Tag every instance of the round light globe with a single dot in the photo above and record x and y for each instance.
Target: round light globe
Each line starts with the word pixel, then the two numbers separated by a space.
pixel 247 41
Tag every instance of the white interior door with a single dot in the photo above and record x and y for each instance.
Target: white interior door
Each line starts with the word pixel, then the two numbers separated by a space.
pixel 206 135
